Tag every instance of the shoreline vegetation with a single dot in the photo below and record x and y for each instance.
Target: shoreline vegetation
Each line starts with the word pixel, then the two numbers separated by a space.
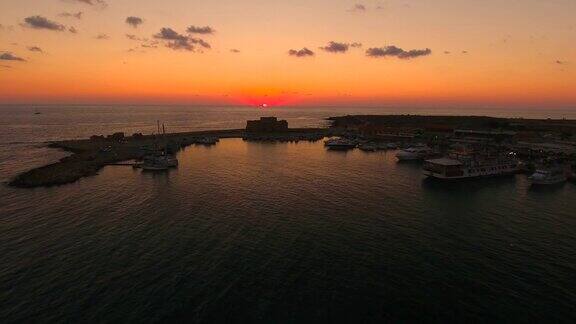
pixel 91 155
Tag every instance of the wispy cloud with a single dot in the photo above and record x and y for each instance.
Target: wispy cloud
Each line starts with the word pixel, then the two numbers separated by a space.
pixel 301 53
pixel 206 30
pixel 358 8
pixel 77 15
pixel 560 62
pixel 7 56
pixel 234 50
pixel 94 3
pixel 39 22
pixel 102 36
pixel 394 51
pixel 134 21
pixel 35 49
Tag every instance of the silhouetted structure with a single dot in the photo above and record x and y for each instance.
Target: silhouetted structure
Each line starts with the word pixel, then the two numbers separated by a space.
pixel 266 125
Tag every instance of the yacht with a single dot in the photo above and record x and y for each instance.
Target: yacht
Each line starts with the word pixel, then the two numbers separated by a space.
pixel 159 162
pixel 339 144
pixel 554 173
pixel 470 166
pixel 415 153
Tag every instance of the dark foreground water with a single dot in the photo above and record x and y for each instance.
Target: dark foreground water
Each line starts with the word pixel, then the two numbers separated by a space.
pixel 249 232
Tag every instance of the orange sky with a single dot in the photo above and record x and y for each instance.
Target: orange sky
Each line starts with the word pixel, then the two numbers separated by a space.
pixel 501 53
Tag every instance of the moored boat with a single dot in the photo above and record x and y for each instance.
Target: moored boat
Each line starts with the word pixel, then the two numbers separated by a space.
pixel 340 144
pixel 549 174
pixel 470 166
pixel 415 153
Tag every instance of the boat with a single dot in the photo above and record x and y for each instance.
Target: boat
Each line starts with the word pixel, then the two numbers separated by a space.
pixel 339 144
pixel 207 140
pixel 368 147
pixel 415 153
pixel 158 162
pixel 458 166
pixel 391 146
pixel 549 174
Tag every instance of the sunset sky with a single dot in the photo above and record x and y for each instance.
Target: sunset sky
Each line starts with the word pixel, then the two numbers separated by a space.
pixel 490 53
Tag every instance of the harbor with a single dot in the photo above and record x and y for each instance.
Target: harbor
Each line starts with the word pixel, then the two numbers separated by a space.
pixel 453 141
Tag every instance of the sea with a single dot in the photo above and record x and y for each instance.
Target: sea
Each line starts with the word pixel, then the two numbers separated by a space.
pixel 249 232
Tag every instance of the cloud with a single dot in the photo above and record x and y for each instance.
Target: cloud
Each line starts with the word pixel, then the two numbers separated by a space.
pixel 356 45
pixel 77 15
pixel 447 52
pixel 6 27
pixel 358 8
pixel 560 62
pixel 72 30
pixel 397 52
pixel 102 36
pixel 301 53
pixel 39 22
pixel 177 41
pixel 96 3
pixel 136 38
pixel 206 30
pixel 7 56
pixel 234 50
pixel 35 49
pixel 335 47
pixel 134 21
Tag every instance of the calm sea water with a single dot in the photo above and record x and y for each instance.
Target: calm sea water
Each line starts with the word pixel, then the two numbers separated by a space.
pixel 251 232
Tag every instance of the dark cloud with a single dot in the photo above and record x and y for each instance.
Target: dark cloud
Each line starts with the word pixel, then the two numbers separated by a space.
pixel 177 41
pixel 40 22
pixel 35 49
pixel 335 47
pixel 301 53
pixel 446 52
pixel 102 36
pixel 356 45
pixel 7 56
pixel 464 52
pixel 560 62
pixel 77 15
pixel 234 50
pixel 397 52
pixel 206 30
pixel 134 21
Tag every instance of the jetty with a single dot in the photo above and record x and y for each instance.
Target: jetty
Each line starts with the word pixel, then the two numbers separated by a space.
pixel 91 155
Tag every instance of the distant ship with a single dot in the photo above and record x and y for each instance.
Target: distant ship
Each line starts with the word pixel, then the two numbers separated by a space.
pixel 340 144
pixel 470 166
pixel 415 153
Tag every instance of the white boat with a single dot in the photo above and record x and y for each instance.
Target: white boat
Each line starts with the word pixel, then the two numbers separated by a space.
pixel 159 162
pixel 549 175
pixel 415 153
pixel 339 144
pixel 470 166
